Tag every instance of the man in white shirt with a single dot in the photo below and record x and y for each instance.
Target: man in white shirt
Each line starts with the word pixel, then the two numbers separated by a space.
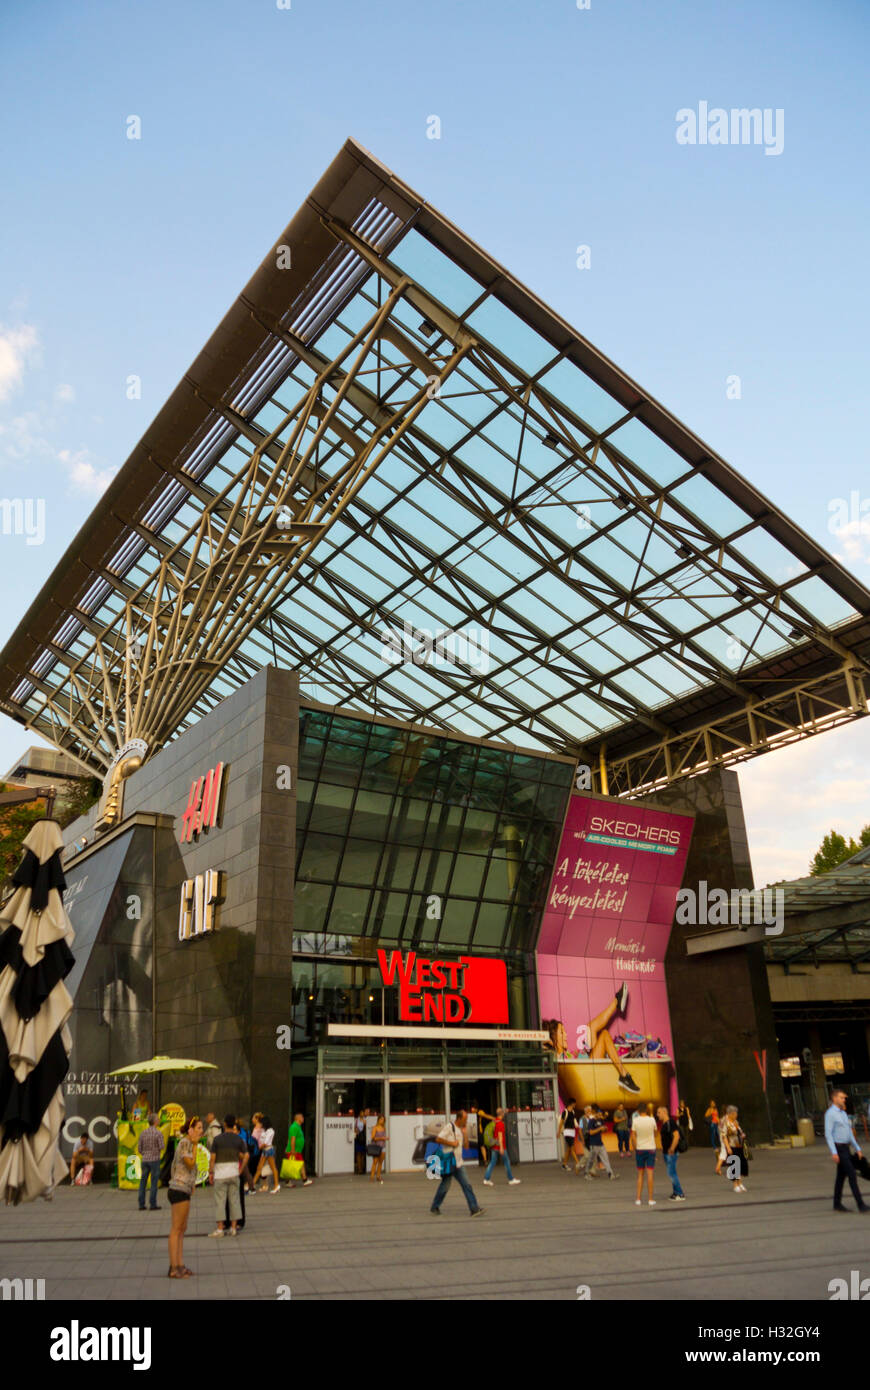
pixel 643 1141
pixel 450 1139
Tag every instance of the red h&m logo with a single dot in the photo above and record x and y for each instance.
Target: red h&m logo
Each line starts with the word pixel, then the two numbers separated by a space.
pixel 472 989
pixel 203 804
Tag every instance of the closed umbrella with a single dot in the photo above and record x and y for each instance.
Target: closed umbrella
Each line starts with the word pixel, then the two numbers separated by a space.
pixel 35 1004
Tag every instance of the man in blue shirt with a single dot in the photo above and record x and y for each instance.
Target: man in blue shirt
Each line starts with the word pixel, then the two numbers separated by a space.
pixel 840 1138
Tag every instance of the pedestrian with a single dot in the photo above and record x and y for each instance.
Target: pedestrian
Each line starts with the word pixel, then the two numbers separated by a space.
pixel 643 1141
pixel 498 1149
pixel 733 1142
pixel 82 1156
pixel 229 1157
pixel 840 1139
pixel 359 1142
pixel 450 1139
pixel 244 1177
pixel 254 1150
pixel 672 1136
pixel 267 1155
pixel 296 1149
pixel 182 1180
pixel 684 1120
pixel 378 1146
pixel 150 1146
pixel 211 1129
pixel 596 1153
pixel 620 1124
pixel 711 1115
pixel 569 1123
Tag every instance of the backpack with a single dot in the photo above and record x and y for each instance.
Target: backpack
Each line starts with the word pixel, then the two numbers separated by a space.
pixel 489 1135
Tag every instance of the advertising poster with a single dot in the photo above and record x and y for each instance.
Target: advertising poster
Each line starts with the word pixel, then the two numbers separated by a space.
pixel 601 950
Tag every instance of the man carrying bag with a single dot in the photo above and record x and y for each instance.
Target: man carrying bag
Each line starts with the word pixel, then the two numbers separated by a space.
pixel 450 1139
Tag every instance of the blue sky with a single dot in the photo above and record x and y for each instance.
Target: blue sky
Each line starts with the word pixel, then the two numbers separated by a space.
pixel 557 130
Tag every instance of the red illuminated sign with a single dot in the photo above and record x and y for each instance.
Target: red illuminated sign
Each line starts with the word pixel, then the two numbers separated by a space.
pixel 203 804
pixel 472 989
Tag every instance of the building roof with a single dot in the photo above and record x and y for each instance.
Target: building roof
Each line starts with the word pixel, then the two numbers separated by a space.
pixel 826 916
pixel 388 436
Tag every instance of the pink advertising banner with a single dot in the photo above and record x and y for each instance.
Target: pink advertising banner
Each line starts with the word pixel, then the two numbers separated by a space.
pixel 601 950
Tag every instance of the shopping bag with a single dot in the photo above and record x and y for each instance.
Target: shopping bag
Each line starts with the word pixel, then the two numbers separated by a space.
pixel 291 1169
pixel 84 1175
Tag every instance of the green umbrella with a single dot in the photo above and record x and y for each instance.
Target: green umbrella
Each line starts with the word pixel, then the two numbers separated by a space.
pixel 161 1064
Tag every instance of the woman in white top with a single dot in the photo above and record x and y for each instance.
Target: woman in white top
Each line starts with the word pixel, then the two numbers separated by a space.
pixel 643 1141
pixel 267 1155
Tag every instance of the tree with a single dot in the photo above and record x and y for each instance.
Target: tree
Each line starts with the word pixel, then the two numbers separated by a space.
pixel 16 823
pixel 835 849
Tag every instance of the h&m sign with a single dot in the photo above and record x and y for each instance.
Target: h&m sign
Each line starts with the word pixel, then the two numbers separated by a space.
pixel 201 898
pixel 203 804
pixel 472 989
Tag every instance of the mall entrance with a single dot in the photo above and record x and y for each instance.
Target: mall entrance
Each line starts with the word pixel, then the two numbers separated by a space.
pixel 416 1106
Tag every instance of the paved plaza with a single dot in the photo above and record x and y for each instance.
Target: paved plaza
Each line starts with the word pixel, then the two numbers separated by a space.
pixel 345 1238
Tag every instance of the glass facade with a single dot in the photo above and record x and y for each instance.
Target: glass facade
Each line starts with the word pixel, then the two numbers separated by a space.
pixel 418 842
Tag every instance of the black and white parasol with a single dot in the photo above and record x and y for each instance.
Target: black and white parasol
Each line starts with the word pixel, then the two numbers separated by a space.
pixel 35 1004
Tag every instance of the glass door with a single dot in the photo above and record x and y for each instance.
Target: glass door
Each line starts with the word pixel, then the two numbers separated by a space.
pixel 416 1113
pixel 345 1103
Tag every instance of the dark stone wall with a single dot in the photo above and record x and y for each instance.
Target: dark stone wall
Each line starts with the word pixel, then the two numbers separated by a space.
pixel 720 1003
pixel 221 997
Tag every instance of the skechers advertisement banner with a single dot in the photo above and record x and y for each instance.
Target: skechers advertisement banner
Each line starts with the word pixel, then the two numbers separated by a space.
pixel 604 934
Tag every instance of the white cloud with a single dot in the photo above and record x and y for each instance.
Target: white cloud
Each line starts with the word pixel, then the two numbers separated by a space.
pixel 792 797
pixel 23 437
pixel 84 475
pixel 65 393
pixel 18 347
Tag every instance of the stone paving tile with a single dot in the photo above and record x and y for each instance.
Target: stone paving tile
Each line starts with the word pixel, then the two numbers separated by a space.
pixel 347 1240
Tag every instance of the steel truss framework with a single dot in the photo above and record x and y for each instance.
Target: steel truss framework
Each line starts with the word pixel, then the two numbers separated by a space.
pixel 392 461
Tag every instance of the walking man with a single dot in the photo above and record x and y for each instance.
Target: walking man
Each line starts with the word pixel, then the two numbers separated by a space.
pixel 840 1138
pixel 296 1147
pixel 620 1124
pixel 450 1139
pixel 150 1146
pixel 643 1141
pixel 595 1150
pixel 499 1149
pixel 672 1137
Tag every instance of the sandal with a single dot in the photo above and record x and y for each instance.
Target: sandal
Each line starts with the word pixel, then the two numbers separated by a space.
pixel 184 1272
pixel 173 1272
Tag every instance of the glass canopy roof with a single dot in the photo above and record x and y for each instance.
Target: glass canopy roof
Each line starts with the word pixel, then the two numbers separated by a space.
pixel 530 560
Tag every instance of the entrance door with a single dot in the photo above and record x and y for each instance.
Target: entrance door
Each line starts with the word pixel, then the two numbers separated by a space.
pixel 532 1121
pixel 343 1102
pixel 416 1110
pixel 473 1097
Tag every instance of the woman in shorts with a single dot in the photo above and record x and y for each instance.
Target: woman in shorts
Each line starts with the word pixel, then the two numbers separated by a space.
pixel 379 1142
pixel 267 1155
pixel 182 1180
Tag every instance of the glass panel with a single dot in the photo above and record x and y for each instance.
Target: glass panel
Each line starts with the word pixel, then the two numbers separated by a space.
pixel 330 813
pixel 417 1097
pixel 432 268
pixel 511 335
pixel 582 395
